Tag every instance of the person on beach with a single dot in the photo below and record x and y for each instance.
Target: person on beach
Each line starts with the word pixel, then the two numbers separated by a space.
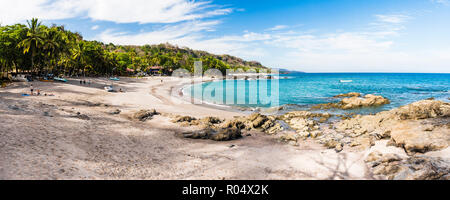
pixel 38 92
pixel 31 89
pixel 84 82
pixel 81 82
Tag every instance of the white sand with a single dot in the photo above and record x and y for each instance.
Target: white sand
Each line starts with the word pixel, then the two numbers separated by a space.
pixel 36 146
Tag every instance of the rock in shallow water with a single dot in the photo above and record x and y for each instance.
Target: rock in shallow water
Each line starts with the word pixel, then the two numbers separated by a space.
pixel 351 94
pixel 354 101
pixel 368 101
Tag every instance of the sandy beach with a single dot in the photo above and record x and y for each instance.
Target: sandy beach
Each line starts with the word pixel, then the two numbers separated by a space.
pixel 75 134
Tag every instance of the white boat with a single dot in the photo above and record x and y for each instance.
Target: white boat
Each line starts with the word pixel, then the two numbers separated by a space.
pixel 109 88
pixel 346 81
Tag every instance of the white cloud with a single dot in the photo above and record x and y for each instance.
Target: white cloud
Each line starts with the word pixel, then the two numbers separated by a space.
pixel 95 27
pixel 443 2
pixel 394 19
pixel 277 28
pixel 134 11
pixel 189 34
pixel 167 33
pixel 364 51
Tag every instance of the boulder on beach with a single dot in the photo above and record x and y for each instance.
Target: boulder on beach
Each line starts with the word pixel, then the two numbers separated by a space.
pixel 237 124
pixel 180 119
pixel 226 134
pixel 417 138
pixel 255 122
pixel 395 167
pixel 211 120
pixel 423 110
pixel 214 134
pixel 368 101
pixel 418 128
pixel 207 122
pixel 144 115
pixel 114 111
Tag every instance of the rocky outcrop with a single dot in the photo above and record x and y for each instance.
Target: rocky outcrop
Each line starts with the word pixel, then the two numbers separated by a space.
pixel 255 122
pixel 207 122
pixel 395 167
pixel 226 134
pixel 305 123
pixel 237 124
pixel 144 115
pixel 214 134
pixel 424 110
pixel 351 94
pixel 368 101
pixel 418 128
pixel 415 137
pixel 114 112
pixel 181 119
pixel 82 116
pixel 355 102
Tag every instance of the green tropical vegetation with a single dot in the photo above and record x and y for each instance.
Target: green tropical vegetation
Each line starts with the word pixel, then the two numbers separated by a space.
pixel 38 49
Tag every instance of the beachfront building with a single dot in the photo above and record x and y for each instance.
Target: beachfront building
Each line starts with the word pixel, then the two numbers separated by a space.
pixel 130 71
pixel 155 70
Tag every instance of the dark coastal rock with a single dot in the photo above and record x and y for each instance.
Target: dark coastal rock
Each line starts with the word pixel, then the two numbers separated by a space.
pixel 258 122
pixel 181 119
pixel 14 107
pixel 114 112
pixel 203 134
pixel 237 124
pixel 186 121
pixel 424 110
pixel 144 115
pixel 214 134
pixel 227 134
pixel 82 116
pixel 211 120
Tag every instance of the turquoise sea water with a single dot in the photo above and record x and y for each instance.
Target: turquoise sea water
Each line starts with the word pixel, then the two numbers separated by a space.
pixel 300 91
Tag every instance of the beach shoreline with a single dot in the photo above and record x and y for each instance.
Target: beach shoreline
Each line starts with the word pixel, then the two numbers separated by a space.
pixel 85 132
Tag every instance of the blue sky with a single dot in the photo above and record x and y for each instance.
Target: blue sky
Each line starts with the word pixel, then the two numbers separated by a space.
pixel 307 35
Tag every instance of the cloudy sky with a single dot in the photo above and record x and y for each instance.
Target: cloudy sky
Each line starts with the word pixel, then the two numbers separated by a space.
pixel 307 35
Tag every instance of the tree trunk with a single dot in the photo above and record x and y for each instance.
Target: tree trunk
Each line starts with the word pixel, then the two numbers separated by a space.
pixel 32 61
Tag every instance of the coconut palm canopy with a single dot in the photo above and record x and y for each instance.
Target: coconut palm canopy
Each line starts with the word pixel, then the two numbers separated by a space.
pixel 36 48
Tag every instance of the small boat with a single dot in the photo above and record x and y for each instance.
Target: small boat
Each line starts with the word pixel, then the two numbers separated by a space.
pixel 46 79
pixel 60 79
pixel 29 78
pixel 109 88
pixel 114 79
pixel 346 81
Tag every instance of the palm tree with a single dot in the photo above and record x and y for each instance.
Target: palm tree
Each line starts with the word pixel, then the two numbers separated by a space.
pixel 79 55
pixel 53 39
pixel 33 40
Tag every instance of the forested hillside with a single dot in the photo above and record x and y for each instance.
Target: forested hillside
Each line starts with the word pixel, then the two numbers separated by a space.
pixel 36 48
